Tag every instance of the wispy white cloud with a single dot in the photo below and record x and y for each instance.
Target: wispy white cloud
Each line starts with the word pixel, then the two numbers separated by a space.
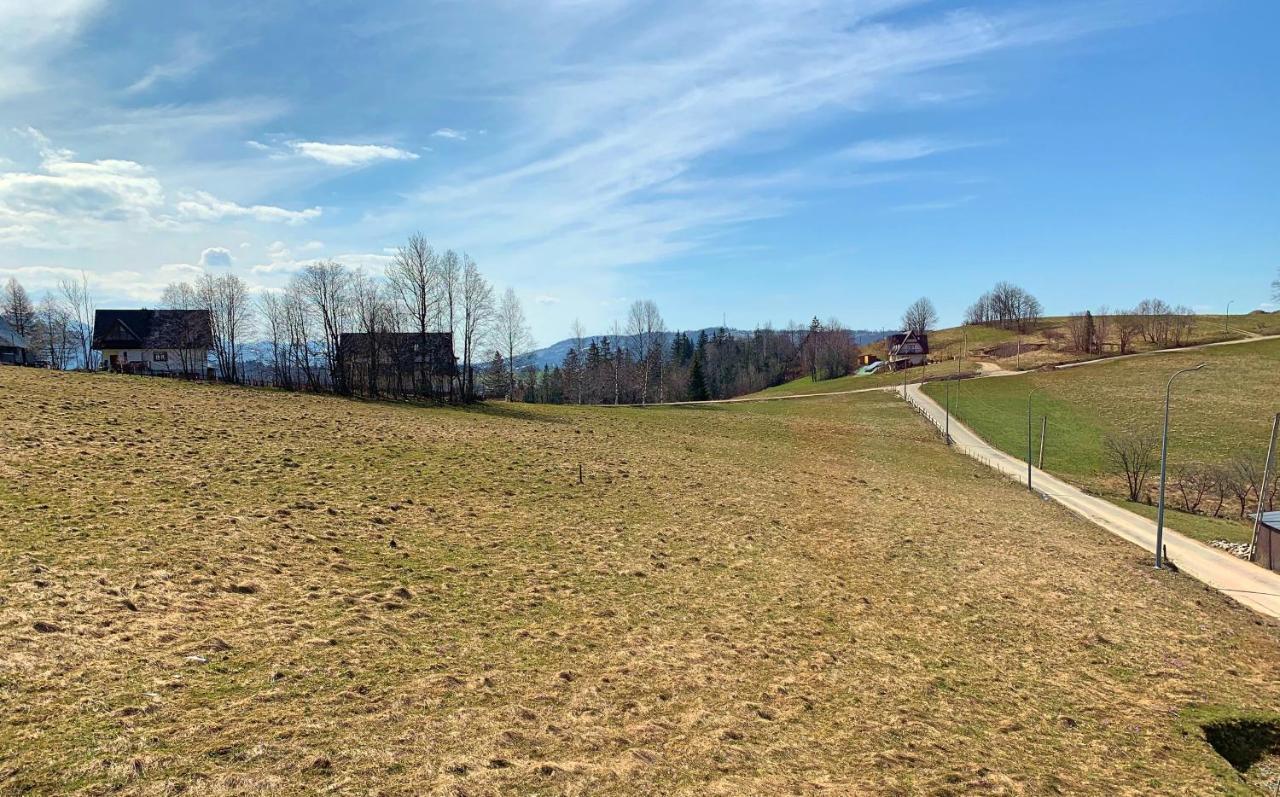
pixel 350 154
pixel 888 150
pixel 189 56
pixel 450 133
pixel 935 204
pixel 203 206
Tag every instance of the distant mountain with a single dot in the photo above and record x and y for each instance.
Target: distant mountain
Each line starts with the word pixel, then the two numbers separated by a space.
pixel 553 355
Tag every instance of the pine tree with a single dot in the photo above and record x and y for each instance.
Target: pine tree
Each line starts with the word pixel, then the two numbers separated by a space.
pixel 697 383
pixel 494 379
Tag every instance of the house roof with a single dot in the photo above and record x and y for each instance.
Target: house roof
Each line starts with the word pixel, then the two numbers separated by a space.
pixel 151 329
pixel 1271 519
pixel 435 349
pixel 904 343
pixel 9 337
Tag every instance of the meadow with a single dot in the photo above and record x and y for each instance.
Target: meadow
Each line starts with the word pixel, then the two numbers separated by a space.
pixel 218 590
pixel 1217 414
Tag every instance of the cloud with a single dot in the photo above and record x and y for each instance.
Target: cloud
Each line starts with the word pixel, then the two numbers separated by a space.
pixel 33 31
pixel 937 204
pixel 216 256
pixel 543 298
pixel 282 261
pixel 37 206
pixel 450 133
pixel 181 270
pixel 203 206
pixel 627 150
pixel 189 58
pixel 350 154
pixel 887 150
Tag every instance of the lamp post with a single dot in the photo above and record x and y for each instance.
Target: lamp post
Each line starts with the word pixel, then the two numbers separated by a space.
pixel 1226 322
pixel 946 433
pixel 1164 462
pixel 1029 395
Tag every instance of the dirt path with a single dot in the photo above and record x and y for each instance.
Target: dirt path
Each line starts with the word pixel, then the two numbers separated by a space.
pixel 1249 584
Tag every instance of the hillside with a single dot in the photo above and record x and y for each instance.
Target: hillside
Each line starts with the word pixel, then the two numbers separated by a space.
pixel 1047 344
pixel 1218 415
pixel 231 591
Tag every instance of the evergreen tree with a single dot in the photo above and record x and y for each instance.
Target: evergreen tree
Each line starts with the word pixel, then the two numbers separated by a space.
pixel 494 379
pixel 697 382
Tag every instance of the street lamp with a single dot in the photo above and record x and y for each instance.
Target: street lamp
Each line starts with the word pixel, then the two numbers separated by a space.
pixel 1227 321
pixel 1164 461
pixel 1029 395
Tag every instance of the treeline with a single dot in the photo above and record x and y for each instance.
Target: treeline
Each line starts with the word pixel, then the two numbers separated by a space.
pixel 1214 489
pixel 641 363
pixel 59 328
pixel 1153 321
pixel 308 329
pixel 1006 306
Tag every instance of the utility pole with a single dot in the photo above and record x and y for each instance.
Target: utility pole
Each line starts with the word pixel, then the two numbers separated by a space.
pixel 946 433
pixel 1226 322
pixel 1029 395
pixel 1266 477
pixel 1164 462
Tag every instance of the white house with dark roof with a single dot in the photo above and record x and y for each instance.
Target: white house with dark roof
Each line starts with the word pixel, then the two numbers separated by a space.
pixel 153 341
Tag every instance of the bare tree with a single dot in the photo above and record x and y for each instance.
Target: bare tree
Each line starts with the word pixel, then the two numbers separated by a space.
pixel 1193 482
pixel 511 335
pixel 646 328
pixel 184 329
pixel 325 287
pixel 226 297
pixel 273 309
pixel 1134 454
pixel 451 273
pixel 53 331
pixel 477 315
pixel 78 300
pixel 579 333
pixel 414 280
pixel 919 317
pixel 375 319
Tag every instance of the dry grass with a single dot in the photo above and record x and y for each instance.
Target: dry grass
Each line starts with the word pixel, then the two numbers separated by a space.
pixel 240 592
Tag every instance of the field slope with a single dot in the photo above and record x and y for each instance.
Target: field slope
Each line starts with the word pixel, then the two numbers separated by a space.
pixel 1217 414
pixel 234 592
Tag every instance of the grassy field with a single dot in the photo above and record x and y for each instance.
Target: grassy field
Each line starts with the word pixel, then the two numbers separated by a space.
pixel 1216 414
pixel 806 386
pixel 227 591
pixel 1047 344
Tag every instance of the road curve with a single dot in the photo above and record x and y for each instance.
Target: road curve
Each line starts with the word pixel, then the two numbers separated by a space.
pixel 1253 586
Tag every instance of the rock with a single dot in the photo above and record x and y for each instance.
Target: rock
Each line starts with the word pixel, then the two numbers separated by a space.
pixel 46 627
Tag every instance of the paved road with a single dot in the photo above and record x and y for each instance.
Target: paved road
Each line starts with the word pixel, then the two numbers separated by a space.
pixel 1249 584
pixel 1254 339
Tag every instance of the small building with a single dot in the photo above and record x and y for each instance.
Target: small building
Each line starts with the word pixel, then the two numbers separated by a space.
pixel 404 359
pixel 145 341
pixel 907 350
pixel 13 347
pixel 867 359
pixel 1266 551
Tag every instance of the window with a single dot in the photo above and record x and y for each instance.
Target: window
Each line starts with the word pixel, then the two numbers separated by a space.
pixel 160 356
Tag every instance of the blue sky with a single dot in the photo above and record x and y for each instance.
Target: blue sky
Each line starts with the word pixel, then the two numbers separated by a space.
pixel 752 161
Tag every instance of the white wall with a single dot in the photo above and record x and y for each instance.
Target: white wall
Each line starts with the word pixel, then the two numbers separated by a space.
pixel 195 359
